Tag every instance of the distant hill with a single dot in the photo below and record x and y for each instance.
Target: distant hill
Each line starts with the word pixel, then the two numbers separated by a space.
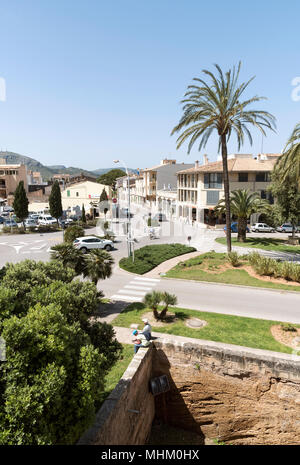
pixel 105 170
pixel 46 171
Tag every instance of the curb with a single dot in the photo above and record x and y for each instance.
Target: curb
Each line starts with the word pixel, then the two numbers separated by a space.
pixel 233 285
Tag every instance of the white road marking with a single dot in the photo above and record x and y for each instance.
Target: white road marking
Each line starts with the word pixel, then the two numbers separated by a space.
pixel 142 288
pixel 148 279
pixel 133 292
pixel 126 297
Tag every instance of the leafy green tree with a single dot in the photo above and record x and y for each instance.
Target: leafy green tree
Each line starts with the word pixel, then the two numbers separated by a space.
pixel 242 204
pixel 217 105
pixel 104 204
pixel 83 217
pixel 21 202
pixel 98 265
pixel 53 379
pixel 69 256
pixel 285 188
pixel 20 278
pixel 72 232
pixel 55 205
pixel 77 300
pixel 109 178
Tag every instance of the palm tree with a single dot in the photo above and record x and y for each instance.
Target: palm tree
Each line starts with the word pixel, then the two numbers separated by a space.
pixel 290 158
pixel 69 256
pixel 216 106
pixel 243 204
pixel 152 300
pixel 98 265
pixel 168 299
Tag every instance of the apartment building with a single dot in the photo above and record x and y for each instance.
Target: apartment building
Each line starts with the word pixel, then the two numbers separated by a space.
pixel 200 188
pixel 10 176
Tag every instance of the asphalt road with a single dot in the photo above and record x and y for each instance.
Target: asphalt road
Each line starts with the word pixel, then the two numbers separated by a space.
pixel 126 287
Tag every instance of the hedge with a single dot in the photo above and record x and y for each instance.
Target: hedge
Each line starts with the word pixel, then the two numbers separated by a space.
pixel 148 257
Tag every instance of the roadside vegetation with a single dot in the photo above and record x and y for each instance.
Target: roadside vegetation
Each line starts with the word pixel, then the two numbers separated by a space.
pixel 53 379
pixel 221 268
pixel 265 243
pixel 116 372
pixel 248 332
pixel 148 257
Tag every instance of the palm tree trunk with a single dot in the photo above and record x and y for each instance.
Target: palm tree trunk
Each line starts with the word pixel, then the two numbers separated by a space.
pixel 242 226
pixel 163 313
pixel 226 191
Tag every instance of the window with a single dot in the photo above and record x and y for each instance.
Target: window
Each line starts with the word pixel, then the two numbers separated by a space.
pixel 213 180
pixel 68 193
pixel 263 194
pixel 243 177
pixel 77 194
pixel 262 177
pixel 212 197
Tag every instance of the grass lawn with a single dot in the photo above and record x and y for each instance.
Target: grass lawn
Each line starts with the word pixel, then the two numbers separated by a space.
pixel 115 374
pixel 207 267
pixel 148 257
pixel 248 332
pixel 265 243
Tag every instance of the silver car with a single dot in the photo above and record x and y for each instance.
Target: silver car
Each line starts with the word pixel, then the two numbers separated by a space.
pixel 262 227
pixel 287 228
pixel 86 243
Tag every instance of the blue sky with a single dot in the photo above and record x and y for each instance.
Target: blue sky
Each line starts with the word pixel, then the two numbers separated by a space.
pixel 91 81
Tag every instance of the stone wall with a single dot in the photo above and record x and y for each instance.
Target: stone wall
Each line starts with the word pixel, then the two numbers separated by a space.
pixel 235 394
pixel 126 416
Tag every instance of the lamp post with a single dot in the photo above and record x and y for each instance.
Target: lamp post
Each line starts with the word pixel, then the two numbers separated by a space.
pixel 129 241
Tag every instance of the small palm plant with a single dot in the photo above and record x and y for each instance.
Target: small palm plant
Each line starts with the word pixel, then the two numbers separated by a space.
pixel 68 255
pixel 98 265
pixel 242 204
pixel 152 300
pixel 168 299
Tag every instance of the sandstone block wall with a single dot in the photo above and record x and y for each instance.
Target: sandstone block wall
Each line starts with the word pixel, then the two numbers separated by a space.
pixel 235 394
pixel 126 416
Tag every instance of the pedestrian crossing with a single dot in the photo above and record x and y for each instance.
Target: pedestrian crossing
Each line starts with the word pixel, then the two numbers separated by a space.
pixel 136 289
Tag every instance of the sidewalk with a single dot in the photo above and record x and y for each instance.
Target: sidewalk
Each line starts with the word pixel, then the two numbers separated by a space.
pixel 168 264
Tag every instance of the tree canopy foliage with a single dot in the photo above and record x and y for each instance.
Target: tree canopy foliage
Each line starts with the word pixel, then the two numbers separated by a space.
pixel 52 382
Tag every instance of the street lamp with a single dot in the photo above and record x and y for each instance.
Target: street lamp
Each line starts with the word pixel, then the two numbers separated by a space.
pixel 129 241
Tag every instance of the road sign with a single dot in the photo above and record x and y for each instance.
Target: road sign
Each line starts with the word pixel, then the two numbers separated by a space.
pixel 114 200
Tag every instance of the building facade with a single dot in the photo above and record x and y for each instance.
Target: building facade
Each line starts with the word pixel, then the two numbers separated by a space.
pixel 10 176
pixel 200 188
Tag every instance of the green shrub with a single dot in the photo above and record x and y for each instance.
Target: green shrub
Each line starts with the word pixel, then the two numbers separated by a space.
pixel 288 327
pixel 72 232
pixel 234 259
pixel 148 257
pixel 53 378
pixel 44 228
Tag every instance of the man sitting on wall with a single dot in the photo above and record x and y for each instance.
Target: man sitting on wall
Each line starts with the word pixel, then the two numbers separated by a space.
pixel 139 341
pixel 146 329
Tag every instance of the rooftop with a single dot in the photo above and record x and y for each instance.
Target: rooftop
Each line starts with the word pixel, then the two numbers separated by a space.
pixel 264 162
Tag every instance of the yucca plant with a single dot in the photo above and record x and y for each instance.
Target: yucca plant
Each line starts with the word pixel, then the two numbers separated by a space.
pixel 242 204
pixel 218 105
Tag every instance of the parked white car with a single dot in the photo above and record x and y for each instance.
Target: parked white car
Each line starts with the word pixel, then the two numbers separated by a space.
pixel 262 227
pixel 46 220
pixel 86 243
